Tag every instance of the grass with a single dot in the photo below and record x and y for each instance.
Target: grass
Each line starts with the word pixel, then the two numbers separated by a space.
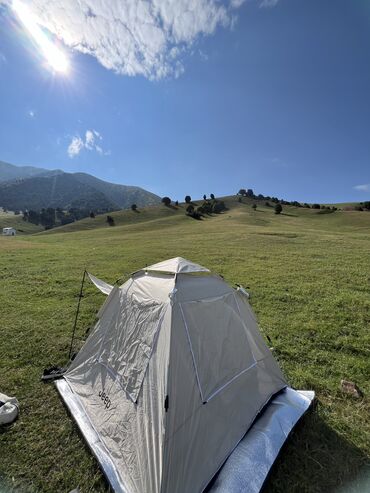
pixel 308 275
pixel 8 220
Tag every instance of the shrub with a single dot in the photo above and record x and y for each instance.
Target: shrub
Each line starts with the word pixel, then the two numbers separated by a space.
pixel 204 197
pixel 92 215
pixel 267 204
pixel 191 212
pixel 254 206
pixel 278 208
pixel 188 199
pixel 133 207
pixel 242 191
pixel 239 199
pixel 176 203
pixel 207 207
pixel 110 220
pixel 315 206
pixel 212 196
pixel 166 201
pixel 218 206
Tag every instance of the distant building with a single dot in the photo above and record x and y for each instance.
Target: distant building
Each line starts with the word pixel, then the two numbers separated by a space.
pixel 9 231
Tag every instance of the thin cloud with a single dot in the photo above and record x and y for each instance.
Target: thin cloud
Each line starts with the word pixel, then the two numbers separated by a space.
pixel 147 38
pixel 2 57
pixel 31 113
pixel 91 142
pixel 362 188
pixel 268 3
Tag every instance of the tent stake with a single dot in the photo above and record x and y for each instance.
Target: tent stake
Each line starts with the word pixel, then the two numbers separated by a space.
pixel 76 317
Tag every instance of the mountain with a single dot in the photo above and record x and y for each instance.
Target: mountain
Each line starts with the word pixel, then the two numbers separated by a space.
pixel 121 195
pixel 10 172
pixel 33 188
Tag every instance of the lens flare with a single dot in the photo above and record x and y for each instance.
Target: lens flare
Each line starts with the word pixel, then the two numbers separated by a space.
pixel 55 57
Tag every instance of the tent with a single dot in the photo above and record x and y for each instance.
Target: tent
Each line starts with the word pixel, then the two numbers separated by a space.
pixel 170 379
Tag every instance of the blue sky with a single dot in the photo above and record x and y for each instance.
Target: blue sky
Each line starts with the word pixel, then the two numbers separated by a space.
pixel 270 95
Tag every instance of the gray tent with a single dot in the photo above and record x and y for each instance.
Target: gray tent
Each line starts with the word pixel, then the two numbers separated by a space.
pixel 171 378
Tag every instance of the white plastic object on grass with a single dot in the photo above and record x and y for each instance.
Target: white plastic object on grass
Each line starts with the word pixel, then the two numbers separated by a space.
pixel 9 409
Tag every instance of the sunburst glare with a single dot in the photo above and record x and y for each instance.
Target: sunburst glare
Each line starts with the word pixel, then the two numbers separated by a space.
pixel 54 56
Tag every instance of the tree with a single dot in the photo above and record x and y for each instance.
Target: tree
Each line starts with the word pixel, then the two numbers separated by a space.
pixel 250 193
pixel 204 197
pixel 110 220
pixel 254 206
pixel 33 217
pixel 191 212
pixel 133 207
pixel 242 191
pixel 166 201
pixel 218 206
pixel 278 208
pixel 315 206
pixel 47 217
pixel 92 215
pixel 212 196
pixel 188 199
pixel 176 203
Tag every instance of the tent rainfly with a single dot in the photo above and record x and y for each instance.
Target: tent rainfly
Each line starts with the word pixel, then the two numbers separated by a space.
pixel 170 380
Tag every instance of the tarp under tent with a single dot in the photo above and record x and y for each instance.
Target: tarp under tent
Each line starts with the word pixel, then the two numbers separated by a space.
pixel 170 381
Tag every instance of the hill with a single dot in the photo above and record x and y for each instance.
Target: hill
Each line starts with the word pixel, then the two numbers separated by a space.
pixel 9 172
pixel 263 217
pixel 308 277
pixel 10 220
pixel 36 188
pixel 120 195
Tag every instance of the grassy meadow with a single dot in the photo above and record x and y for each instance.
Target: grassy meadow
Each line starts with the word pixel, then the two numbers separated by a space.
pixel 309 279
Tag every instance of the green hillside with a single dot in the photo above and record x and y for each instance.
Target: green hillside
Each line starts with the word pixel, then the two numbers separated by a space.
pixel 308 275
pixel 9 220
pixel 291 217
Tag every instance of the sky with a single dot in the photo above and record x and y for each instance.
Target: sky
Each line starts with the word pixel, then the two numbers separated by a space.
pixel 191 96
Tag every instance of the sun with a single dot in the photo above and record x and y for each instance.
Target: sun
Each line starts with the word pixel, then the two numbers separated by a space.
pixel 55 57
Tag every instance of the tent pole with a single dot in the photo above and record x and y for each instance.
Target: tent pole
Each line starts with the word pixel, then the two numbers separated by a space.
pixel 76 317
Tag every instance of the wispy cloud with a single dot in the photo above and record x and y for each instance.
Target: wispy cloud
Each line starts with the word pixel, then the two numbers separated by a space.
pixel 91 142
pixel 31 113
pixel 146 38
pixel 268 3
pixel 236 3
pixel 362 188
pixel 2 57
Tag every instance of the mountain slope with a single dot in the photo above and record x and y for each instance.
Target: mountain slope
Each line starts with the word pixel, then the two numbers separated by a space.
pixel 27 187
pixel 62 190
pixel 121 195
pixel 10 172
